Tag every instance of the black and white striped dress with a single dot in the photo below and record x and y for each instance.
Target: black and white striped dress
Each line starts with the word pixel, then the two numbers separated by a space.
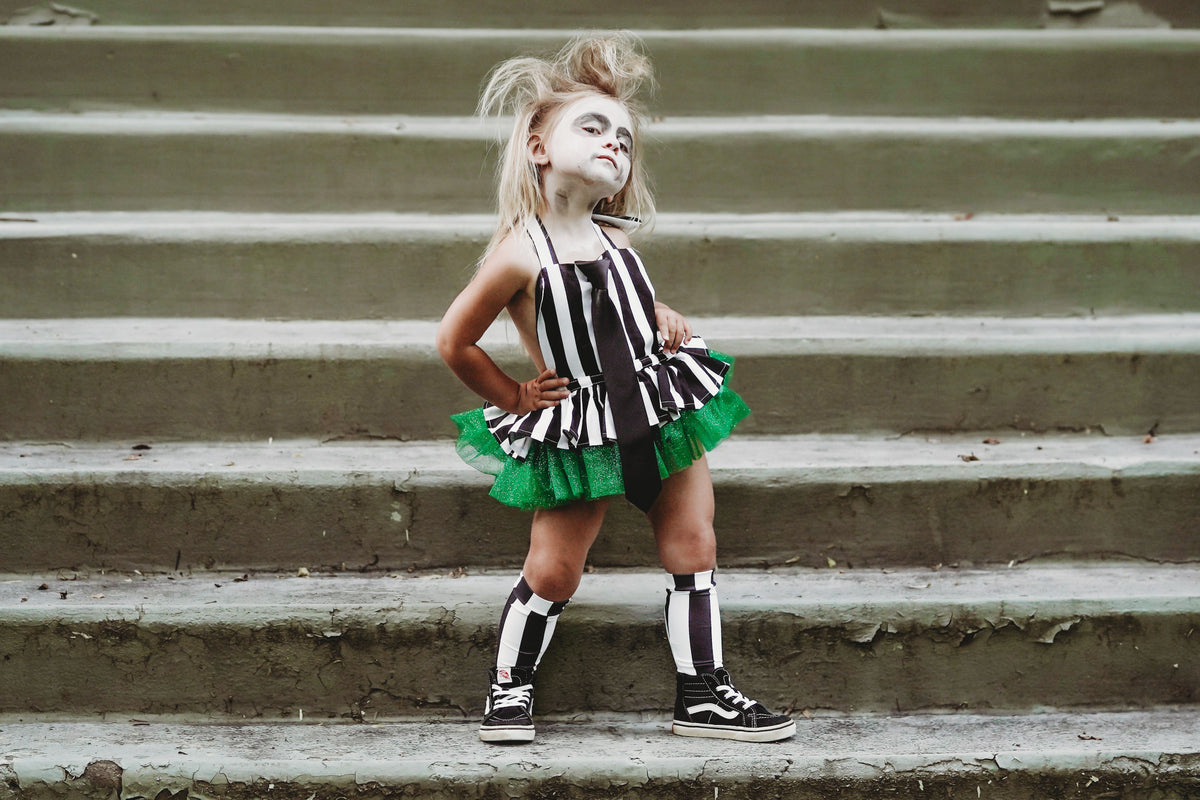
pixel 669 383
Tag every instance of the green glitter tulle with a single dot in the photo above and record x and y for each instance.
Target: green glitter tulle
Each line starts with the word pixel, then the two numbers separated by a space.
pixel 551 476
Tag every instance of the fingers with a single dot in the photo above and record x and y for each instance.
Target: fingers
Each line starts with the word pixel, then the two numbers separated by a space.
pixel 546 390
pixel 674 334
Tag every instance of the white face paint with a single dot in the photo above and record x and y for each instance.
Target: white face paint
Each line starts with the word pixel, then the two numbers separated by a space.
pixel 592 141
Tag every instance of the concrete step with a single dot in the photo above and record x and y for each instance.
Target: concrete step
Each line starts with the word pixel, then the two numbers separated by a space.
pixel 411 265
pixel 805 501
pixel 1113 636
pixel 577 14
pixel 133 379
pixel 1038 74
pixel 1135 755
pixel 179 161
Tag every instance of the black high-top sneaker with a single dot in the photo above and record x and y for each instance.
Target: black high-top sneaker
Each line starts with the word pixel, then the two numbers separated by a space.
pixel 709 706
pixel 508 716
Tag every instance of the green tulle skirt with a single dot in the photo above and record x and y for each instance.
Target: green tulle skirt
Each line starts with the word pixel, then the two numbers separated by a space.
pixel 551 476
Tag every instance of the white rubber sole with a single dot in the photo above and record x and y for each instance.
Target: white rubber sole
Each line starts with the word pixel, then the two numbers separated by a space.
pixel 772 734
pixel 515 735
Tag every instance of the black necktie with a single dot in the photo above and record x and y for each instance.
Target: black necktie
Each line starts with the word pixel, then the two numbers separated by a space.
pixel 635 437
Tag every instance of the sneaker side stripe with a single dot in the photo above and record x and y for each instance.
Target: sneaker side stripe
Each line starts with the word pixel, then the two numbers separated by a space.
pixel 726 713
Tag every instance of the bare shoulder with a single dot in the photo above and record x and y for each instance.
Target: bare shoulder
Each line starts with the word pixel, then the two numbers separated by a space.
pixel 619 237
pixel 513 259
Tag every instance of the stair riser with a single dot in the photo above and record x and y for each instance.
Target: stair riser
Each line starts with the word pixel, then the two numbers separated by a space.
pixel 894 73
pixel 399 393
pixel 382 277
pixel 921 516
pixel 255 169
pixel 378 274
pixel 631 13
pixel 435 661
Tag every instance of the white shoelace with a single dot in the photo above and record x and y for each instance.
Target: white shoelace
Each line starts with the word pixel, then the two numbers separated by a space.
pixel 732 695
pixel 511 696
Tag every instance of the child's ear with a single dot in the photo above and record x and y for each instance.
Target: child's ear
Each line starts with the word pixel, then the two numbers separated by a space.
pixel 537 150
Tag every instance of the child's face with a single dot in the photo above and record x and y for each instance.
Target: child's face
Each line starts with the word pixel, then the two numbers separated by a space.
pixel 591 140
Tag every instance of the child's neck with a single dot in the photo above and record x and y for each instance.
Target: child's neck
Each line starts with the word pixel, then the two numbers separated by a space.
pixel 570 228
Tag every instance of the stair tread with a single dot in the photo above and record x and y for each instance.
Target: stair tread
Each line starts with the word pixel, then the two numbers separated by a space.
pixel 1043 597
pixel 741 458
pixel 851 225
pixel 633 747
pixel 144 122
pixel 318 35
pixel 198 337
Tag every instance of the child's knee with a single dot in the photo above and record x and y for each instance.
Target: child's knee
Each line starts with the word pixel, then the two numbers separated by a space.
pixel 688 548
pixel 551 576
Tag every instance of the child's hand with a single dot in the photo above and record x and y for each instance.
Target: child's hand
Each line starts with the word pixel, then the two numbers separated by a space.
pixel 544 391
pixel 673 327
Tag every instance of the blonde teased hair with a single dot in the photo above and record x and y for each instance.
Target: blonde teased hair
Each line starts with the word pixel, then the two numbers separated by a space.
pixel 534 89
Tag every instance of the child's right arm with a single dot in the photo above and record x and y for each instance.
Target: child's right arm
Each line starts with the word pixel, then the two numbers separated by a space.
pixel 502 276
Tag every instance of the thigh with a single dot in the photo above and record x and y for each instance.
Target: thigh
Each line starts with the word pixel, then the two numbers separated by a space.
pixel 559 541
pixel 682 518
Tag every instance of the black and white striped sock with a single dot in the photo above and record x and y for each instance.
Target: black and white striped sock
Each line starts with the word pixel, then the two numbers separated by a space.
pixel 694 622
pixel 526 626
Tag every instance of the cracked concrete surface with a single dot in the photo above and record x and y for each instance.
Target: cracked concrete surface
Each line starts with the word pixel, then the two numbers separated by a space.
pixel 1145 754
pixel 376 505
pixel 363 647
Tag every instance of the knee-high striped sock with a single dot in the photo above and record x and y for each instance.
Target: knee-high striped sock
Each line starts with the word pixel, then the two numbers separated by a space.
pixel 526 626
pixel 694 622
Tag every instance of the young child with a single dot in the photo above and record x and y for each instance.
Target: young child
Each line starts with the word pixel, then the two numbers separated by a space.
pixel 626 399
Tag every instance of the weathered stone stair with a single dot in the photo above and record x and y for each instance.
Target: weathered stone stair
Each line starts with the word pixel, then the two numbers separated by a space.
pixel 959 272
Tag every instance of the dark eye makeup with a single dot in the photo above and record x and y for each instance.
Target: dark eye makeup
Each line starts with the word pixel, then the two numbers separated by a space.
pixel 596 124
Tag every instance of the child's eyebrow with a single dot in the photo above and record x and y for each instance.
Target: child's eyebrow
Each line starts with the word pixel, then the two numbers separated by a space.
pixel 604 122
pixel 593 116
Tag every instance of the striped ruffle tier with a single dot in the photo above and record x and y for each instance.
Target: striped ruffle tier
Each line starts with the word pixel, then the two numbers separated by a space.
pixel 669 385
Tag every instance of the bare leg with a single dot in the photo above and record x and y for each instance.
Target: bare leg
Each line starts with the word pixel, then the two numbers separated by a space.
pixel 682 518
pixel 559 542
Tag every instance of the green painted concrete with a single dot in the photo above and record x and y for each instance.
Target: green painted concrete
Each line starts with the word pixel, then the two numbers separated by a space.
pixel 378 506
pixel 629 13
pixel 1134 755
pixel 131 379
pixel 1042 74
pixel 345 266
pixel 860 640
pixel 166 162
